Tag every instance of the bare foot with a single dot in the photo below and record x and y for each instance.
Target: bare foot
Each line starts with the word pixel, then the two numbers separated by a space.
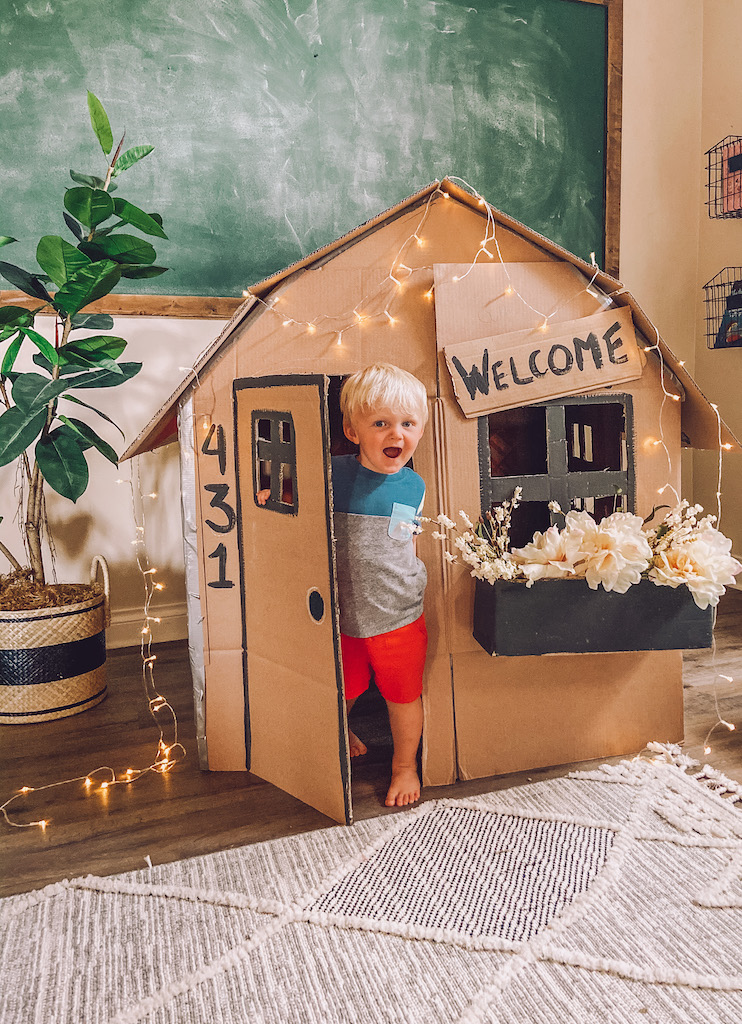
pixel 357 747
pixel 404 788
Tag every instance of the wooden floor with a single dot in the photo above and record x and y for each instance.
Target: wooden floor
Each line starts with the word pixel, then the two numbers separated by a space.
pixel 189 812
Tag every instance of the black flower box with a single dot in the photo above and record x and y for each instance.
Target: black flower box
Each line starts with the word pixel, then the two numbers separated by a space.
pixel 567 617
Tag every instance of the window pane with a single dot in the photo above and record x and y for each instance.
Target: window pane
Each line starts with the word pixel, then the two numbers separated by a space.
pixel 264 430
pixel 517 441
pixel 264 475
pixel 528 517
pixel 287 485
pixel 286 431
pixel 596 437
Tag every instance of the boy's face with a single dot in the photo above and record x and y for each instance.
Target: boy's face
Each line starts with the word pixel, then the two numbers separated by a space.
pixel 387 439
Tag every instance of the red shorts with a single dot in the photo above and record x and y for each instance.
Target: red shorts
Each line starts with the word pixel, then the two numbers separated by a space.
pixel 397 660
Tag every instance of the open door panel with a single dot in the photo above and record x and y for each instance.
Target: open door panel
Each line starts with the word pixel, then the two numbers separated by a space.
pixel 297 727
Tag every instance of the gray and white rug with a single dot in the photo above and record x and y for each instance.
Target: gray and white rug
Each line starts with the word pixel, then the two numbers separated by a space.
pixel 609 897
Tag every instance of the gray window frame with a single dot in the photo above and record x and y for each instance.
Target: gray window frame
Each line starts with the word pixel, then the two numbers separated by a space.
pixel 276 451
pixel 557 484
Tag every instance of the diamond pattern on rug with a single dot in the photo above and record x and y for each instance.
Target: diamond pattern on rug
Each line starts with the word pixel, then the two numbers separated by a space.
pixel 473 872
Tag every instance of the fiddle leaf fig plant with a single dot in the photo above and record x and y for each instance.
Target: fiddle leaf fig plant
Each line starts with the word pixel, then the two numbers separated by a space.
pixel 41 410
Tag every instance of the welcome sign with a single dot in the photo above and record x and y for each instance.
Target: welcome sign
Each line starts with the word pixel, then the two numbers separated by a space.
pixel 509 370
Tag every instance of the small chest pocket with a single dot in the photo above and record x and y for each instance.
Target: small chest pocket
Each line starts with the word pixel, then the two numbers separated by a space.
pixel 402 522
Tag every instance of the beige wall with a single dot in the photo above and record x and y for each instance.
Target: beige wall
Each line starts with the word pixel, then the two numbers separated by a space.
pixel 680 97
pixel 719 373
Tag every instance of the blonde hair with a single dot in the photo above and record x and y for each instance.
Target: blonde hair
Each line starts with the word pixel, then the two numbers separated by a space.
pixel 379 386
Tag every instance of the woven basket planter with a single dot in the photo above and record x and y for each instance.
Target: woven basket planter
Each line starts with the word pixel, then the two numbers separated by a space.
pixel 53 660
pixel 567 617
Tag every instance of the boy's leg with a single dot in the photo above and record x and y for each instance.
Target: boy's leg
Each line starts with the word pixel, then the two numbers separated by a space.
pixel 406 722
pixel 356 747
pixel 357 675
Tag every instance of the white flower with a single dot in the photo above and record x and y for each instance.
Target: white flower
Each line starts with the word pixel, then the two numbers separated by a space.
pixel 554 506
pixel 703 563
pixel 614 552
pixel 467 521
pixel 445 521
pixel 449 557
pixel 550 555
pixel 438 536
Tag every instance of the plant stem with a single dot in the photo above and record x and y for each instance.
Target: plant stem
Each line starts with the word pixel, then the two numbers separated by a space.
pixel 35 505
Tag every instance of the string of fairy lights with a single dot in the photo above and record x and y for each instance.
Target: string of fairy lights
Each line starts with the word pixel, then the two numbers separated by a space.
pixel 169 748
pixel 376 305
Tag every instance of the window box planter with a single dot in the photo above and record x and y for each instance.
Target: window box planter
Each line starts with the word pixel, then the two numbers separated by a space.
pixel 567 617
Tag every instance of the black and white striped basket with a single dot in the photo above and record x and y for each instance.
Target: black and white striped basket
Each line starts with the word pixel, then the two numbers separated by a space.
pixel 53 660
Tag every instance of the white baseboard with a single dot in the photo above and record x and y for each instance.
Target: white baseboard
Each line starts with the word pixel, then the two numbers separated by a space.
pixel 126 625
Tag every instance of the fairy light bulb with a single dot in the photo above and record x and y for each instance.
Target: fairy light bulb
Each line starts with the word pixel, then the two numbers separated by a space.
pixel 311 328
pixel 245 293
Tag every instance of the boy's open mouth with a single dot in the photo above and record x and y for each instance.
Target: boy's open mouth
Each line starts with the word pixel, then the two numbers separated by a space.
pixel 392 453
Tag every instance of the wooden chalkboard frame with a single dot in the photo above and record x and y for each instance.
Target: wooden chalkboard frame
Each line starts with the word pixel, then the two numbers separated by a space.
pixel 195 307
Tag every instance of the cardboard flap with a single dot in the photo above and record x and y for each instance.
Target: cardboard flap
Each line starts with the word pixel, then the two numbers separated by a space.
pixel 523 367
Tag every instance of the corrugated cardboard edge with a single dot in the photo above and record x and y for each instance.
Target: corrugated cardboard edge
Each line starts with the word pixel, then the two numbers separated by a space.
pixel 699 413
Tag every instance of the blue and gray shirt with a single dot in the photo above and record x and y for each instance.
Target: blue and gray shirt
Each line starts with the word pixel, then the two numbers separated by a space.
pixel 381 582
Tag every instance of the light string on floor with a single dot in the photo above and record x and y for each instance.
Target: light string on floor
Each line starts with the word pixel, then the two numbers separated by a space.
pixel 169 748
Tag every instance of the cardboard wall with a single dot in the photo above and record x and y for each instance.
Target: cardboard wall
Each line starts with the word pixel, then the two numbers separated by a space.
pixel 278 340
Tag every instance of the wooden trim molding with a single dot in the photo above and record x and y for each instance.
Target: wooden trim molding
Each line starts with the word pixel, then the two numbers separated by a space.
pixel 186 307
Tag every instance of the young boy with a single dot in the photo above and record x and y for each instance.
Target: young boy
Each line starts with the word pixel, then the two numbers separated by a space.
pixel 381 581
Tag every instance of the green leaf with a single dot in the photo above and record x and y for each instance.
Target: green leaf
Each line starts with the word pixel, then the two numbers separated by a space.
pixel 27 283
pixel 11 353
pixel 87 179
pixel 31 391
pixel 18 430
pixel 18 315
pixel 100 123
pixel 131 156
pixel 107 344
pixel 120 248
pixel 79 401
pixel 131 214
pixel 6 240
pixel 90 206
pixel 103 378
pixel 92 322
pixel 62 463
pixel 44 363
pixel 87 285
pixel 88 434
pixel 139 273
pixel 73 226
pixel 59 259
pixel 42 345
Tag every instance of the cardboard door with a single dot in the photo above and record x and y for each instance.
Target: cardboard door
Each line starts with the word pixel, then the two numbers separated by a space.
pixel 297 727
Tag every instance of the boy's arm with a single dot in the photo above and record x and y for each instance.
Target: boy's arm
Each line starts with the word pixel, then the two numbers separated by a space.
pixel 262 496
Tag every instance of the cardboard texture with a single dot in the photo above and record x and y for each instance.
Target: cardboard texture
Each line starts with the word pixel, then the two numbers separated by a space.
pixel 272 675
pixel 513 714
pixel 506 371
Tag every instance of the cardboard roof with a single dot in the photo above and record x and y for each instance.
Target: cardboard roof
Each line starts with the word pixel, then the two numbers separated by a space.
pixel 699 416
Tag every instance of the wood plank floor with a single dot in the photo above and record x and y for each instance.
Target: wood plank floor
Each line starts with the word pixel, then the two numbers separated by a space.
pixel 189 812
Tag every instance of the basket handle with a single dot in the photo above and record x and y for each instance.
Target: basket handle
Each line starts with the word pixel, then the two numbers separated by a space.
pixel 99 562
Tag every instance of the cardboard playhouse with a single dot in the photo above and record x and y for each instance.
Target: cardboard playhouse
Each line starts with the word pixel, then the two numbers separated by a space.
pixel 536 372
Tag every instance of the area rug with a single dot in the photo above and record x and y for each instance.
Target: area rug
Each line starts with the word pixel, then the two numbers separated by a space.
pixel 613 896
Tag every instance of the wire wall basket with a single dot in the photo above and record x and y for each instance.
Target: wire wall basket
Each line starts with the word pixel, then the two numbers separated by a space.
pixel 723 300
pixel 725 178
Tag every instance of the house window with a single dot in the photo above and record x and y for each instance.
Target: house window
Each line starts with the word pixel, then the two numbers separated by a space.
pixel 274 460
pixel 577 452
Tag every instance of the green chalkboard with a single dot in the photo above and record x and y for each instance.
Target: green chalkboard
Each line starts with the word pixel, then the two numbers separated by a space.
pixel 281 124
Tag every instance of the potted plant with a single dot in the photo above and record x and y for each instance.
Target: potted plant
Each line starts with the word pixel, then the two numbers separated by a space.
pixel 613 585
pixel 52 641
